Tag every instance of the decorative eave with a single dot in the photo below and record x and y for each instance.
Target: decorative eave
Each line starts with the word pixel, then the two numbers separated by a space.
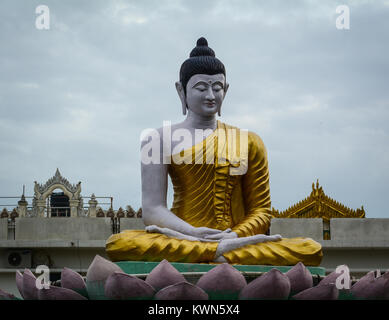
pixel 57 179
pixel 319 205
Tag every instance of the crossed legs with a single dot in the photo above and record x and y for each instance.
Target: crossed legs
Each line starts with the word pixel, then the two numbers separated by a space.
pixel 225 245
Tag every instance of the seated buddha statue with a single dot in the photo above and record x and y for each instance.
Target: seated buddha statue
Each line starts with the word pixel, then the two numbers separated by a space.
pixel 218 214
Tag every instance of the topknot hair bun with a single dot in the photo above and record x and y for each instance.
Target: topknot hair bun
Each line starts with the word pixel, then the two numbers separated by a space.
pixel 202 49
pixel 201 60
pixel 202 42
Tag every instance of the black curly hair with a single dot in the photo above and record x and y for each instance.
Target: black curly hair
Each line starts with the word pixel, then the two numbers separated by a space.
pixel 201 60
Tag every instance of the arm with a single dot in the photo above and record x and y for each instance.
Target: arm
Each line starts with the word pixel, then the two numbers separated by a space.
pixel 154 191
pixel 256 190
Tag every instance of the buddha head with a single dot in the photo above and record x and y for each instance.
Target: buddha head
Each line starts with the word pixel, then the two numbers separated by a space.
pixel 202 86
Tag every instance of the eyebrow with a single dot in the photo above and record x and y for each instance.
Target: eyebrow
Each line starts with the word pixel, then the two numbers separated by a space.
pixel 206 84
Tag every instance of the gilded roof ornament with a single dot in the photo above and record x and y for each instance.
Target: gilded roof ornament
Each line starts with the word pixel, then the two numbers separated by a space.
pixel 319 205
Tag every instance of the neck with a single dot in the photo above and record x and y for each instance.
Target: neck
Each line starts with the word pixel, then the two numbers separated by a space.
pixel 196 121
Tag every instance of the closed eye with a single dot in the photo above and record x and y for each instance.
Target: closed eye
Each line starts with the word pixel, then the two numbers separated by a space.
pixel 217 87
pixel 201 88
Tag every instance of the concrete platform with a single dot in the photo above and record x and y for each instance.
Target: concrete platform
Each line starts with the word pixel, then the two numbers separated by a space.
pixel 142 267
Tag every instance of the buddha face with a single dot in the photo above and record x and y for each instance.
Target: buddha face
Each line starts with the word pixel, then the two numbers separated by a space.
pixel 205 94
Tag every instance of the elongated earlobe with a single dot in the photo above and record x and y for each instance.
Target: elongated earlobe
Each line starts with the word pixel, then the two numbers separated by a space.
pixel 225 91
pixel 181 94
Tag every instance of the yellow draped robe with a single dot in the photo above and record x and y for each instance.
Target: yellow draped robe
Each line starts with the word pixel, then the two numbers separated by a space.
pixel 208 195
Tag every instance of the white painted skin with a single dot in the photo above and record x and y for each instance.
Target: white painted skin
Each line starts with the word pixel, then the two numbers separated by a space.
pixel 203 99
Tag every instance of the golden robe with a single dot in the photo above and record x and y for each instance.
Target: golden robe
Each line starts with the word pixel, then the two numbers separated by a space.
pixel 206 194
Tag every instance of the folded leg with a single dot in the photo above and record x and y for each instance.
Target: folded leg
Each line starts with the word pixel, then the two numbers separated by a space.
pixel 232 244
pixel 140 245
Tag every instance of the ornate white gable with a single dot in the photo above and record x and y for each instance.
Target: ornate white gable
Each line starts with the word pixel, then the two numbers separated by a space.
pixel 42 191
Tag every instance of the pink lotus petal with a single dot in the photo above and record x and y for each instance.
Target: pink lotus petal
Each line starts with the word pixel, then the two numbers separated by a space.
pixel 122 286
pixel 182 291
pixel 6 296
pixel 364 288
pixel 331 278
pixel 272 285
pixel 100 269
pixel 19 282
pixel 163 275
pixel 59 293
pixel 30 291
pixel 371 287
pixel 386 285
pixel 323 292
pixel 300 278
pixel 223 278
pixel 71 279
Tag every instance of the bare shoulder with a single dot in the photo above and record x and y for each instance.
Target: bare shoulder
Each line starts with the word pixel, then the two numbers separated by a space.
pixel 163 130
pixel 158 134
pixel 166 134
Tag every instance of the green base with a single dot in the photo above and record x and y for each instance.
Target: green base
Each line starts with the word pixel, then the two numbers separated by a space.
pixel 142 267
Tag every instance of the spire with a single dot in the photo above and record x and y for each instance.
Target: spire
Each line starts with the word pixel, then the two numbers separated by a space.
pixel 23 198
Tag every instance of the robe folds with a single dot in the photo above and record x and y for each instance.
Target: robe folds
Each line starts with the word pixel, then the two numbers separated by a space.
pixel 221 182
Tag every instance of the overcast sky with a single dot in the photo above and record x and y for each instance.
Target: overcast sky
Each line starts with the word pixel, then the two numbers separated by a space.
pixel 77 96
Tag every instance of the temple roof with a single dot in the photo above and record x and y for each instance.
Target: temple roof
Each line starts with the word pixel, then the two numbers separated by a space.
pixel 57 179
pixel 318 205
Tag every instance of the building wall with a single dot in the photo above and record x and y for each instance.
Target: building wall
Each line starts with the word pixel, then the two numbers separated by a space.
pixel 62 228
pixel 359 229
pixel 362 244
pixel 3 229
pixel 290 228
pixel 131 224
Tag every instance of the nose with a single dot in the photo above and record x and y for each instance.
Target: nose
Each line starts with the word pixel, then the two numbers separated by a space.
pixel 210 95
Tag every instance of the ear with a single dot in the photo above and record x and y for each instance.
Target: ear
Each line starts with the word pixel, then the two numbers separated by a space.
pixel 226 88
pixel 225 91
pixel 181 94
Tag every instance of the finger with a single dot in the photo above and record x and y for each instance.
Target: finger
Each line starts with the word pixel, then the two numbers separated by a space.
pixel 275 237
pixel 187 237
pixel 227 230
pixel 209 237
pixel 153 228
pixel 149 228
pixel 213 231
pixel 208 240
pixel 214 237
